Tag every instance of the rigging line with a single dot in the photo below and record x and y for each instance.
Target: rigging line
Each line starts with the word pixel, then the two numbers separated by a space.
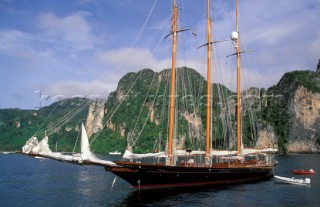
pixel 189 103
pixel 118 105
pixel 120 102
pixel 226 117
pixel 157 45
pixel 190 90
pixel 142 108
pixel 144 24
pixel 188 87
pixel 155 145
pixel 45 120
pixel 252 126
pixel 183 87
pixel 71 114
pixel 252 122
pixel 192 12
pixel 74 148
pixel 162 116
pixel 64 120
pixel 66 116
pixel 153 37
pixel 257 126
pixel 132 45
pixel 56 123
pixel 221 97
pixel 153 102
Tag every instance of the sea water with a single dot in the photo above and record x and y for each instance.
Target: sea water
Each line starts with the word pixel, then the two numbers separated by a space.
pixel 27 181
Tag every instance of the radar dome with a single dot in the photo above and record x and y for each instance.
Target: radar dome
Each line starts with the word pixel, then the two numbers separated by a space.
pixel 234 36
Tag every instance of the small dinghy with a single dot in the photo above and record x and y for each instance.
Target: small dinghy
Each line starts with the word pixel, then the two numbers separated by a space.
pixel 304 172
pixel 293 180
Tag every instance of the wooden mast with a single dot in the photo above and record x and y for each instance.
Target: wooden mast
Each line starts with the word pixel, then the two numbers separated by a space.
pixel 208 125
pixel 238 83
pixel 172 82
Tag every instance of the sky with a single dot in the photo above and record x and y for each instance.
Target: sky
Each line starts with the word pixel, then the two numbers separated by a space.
pixel 56 49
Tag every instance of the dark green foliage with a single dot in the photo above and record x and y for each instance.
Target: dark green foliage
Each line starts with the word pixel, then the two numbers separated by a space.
pixel 14 125
pixel 108 141
pixel 17 126
pixel 308 79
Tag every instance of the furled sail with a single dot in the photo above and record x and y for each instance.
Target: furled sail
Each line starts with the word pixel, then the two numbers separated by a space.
pixel 33 147
pixel 130 155
pixel 42 147
pixel 30 144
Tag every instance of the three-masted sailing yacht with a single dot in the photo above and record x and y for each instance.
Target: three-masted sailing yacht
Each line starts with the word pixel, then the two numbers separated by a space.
pixel 171 174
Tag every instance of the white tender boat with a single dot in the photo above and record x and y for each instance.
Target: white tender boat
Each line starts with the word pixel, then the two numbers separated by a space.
pixel 293 180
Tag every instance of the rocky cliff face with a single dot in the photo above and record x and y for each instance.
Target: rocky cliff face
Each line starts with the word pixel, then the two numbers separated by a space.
pixel 267 138
pixel 305 129
pixel 95 116
pixel 253 101
pixel 299 103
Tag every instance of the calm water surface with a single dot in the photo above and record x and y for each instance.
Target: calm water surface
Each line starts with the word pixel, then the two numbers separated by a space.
pixel 26 181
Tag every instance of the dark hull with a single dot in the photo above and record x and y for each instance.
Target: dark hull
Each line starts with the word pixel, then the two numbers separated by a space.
pixel 153 176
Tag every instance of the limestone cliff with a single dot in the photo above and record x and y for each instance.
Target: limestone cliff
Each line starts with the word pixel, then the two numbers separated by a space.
pixel 267 138
pixel 305 129
pixel 298 111
pixel 256 132
pixel 253 102
pixel 95 116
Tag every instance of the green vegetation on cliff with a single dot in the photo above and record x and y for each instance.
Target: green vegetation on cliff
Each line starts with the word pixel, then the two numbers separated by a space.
pixel 17 126
pixel 279 96
pixel 137 114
